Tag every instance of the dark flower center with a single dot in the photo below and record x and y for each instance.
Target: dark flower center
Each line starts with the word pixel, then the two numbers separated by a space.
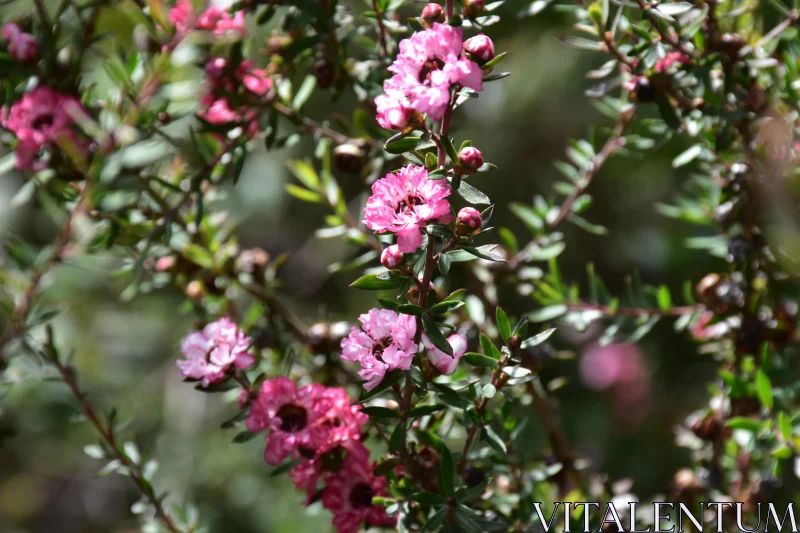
pixel 380 346
pixel 430 65
pixel 407 203
pixel 43 120
pixel 361 496
pixel 293 417
pixel 333 460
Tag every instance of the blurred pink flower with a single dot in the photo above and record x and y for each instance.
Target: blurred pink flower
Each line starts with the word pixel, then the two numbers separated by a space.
pixel 40 119
pixel 308 473
pixel 403 202
pixel 348 495
pixel 219 112
pixel 394 112
pixel 621 369
pixel 444 363
pixel 671 58
pixel 211 353
pixel 384 342
pixel 21 45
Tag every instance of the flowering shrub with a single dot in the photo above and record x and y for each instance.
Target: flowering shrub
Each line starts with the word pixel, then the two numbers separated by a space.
pixel 416 419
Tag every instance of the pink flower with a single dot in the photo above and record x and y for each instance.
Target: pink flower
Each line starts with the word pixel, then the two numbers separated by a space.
pixel 41 118
pixel 394 113
pixel 480 47
pixel 307 475
pixel 21 45
pixel 211 353
pixel 292 415
pixel 384 342
pixel 219 112
pixel 444 363
pixel 428 66
pixel 348 495
pixel 257 82
pixel 181 15
pixel 220 22
pixel 403 202
pixel 671 58
pixel 391 256
pixel 471 158
pixel 306 421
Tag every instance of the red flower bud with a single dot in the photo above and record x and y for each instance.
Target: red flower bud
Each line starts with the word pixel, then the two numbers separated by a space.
pixel 469 221
pixel 432 13
pixel 473 8
pixel 470 158
pixel 480 48
pixel 391 257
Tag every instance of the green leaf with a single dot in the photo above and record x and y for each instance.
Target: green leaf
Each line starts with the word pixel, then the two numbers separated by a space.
pixel 579 42
pixel 547 313
pixel 450 149
pixel 538 339
pixel 667 112
pixel 764 388
pixel 446 472
pixel 425 410
pixel 303 194
pixel 742 422
pixel 304 172
pixel 398 438
pixel 503 325
pixel 438 174
pixel 380 412
pixel 687 156
pixel 244 436
pixel 473 195
pixel 410 309
pixel 493 439
pixel 435 335
pixel 446 306
pixel 429 498
pixel 406 144
pixel 444 266
pixel 664 298
pixel 436 520
pixel 495 77
pixel 479 360
pixel 371 282
pixel 304 92
pixel 785 426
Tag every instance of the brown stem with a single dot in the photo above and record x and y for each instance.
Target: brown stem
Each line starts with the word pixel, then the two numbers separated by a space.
pixel 615 141
pixel 106 432
pixel 381 29
pixel 317 128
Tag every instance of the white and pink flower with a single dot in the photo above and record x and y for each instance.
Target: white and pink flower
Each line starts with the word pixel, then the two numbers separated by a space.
pixel 444 363
pixel 403 203
pixel 21 45
pixel 384 342
pixel 211 354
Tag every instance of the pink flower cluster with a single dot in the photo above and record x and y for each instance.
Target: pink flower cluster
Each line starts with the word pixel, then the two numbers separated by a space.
pixel 403 203
pixel 21 45
pixel 211 354
pixel 430 64
pixel 317 425
pixel 40 119
pixel 213 19
pixel 385 342
pixel 224 82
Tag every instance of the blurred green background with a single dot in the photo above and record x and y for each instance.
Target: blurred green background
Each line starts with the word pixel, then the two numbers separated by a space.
pixel 125 352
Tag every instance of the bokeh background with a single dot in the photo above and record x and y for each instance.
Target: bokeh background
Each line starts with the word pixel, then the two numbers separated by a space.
pixel 125 352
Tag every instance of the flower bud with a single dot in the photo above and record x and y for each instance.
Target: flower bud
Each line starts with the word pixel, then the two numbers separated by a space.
pixel 480 48
pixel 325 72
pixel 165 263
pixel 432 13
pixel 392 257
pixel 348 158
pixel 470 158
pixel 644 90
pixel 473 8
pixel 468 221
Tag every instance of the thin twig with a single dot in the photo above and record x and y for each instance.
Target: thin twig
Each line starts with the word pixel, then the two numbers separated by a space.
pixel 381 29
pixel 106 432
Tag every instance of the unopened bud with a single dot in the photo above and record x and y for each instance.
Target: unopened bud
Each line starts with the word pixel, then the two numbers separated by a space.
pixel 325 72
pixel 480 48
pixel 432 13
pixel 469 221
pixel 470 158
pixel 392 257
pixel 473 8
pixel 348 158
